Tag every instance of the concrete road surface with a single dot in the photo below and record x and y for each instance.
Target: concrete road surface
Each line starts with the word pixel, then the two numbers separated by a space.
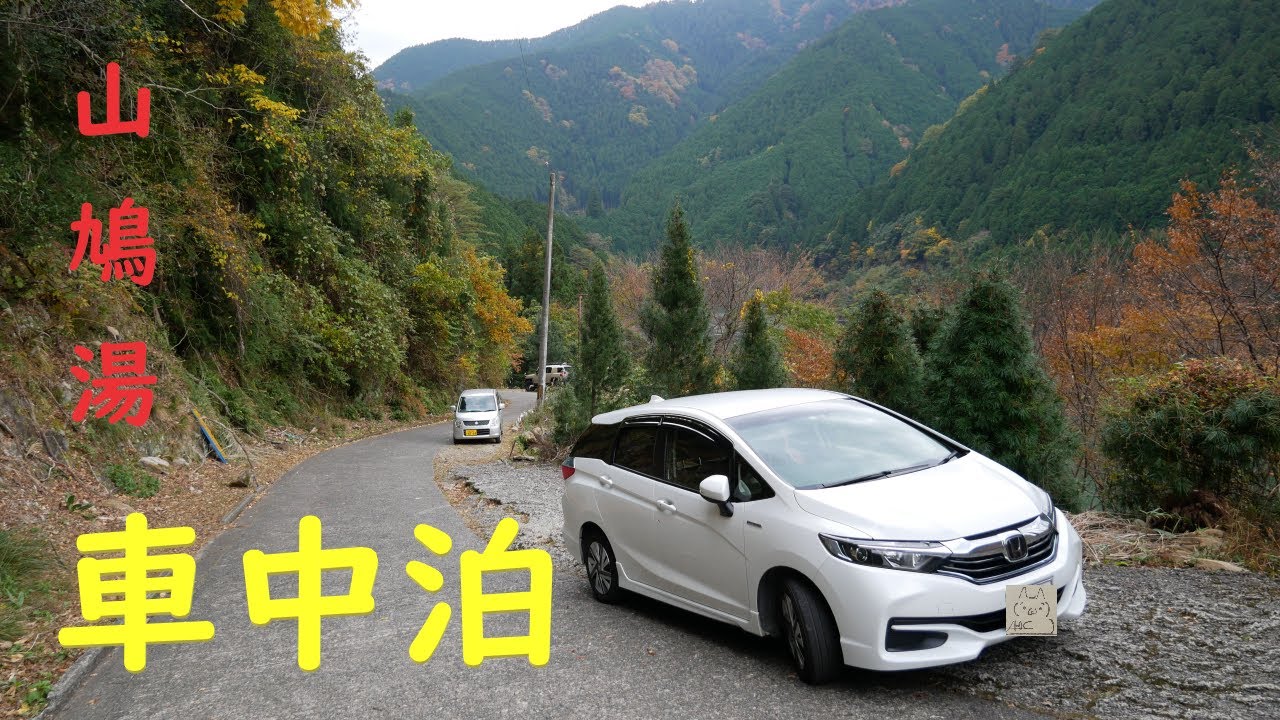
pixel 637 660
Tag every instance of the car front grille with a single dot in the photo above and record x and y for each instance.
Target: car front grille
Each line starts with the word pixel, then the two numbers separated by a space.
pixel 987 564
pixel 473 423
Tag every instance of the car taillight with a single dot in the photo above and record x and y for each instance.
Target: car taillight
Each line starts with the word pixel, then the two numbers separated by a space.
pixel 566 468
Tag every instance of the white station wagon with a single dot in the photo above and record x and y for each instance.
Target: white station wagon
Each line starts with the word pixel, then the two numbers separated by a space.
pixel 861 537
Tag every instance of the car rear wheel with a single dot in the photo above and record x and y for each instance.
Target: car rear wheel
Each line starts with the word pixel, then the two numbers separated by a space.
pixel 602 569
pixel 810 632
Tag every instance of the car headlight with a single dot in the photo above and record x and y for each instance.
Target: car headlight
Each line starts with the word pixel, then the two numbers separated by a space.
pixel 1049 510
pixel 493 420
pixel 898 555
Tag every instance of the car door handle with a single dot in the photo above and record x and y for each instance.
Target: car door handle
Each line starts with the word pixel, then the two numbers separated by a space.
pixel 605 481
pixel 666 505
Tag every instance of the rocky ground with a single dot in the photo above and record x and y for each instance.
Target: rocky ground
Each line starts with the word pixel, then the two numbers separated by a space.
pixel 1154 642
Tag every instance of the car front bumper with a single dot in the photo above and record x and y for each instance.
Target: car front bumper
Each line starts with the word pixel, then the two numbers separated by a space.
pixel 483 432
pixel 959 618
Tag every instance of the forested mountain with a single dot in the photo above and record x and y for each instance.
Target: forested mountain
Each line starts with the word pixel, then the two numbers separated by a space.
pixel 1094 130
pixel 603 98
pixel 775 167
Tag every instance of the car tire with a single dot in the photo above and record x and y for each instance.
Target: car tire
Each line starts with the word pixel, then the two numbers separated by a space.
pixel 602 568
pixel 810 633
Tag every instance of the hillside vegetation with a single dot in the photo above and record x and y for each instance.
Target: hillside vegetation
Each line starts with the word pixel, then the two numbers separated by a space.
pixel 1094 129
pixel 312 252
pixel 775 167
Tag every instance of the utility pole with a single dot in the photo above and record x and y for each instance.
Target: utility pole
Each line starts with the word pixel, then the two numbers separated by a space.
pixel 546 295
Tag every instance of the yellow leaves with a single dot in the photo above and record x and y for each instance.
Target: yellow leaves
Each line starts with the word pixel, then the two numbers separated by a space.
pixel 301 17
pixel 264 104
pixel 498 313
pixel 308 17
pixel 231 11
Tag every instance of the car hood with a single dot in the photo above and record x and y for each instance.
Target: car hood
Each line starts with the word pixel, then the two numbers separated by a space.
pixel 967 496
pixel 481 415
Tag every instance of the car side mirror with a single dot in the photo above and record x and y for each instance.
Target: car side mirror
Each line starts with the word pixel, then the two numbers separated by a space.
pixel 453 408
pixel 502 406
pixel 716 489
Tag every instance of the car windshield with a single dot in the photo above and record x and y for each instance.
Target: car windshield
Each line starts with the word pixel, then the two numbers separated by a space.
pixel 476 403
pixel 837 442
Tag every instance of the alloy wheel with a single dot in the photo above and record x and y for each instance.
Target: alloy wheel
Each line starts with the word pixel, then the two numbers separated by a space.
pixel 599 571
pixel 795 633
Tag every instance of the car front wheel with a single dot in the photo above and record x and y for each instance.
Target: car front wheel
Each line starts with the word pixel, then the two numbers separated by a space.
pixel 810 632
pixel 602 569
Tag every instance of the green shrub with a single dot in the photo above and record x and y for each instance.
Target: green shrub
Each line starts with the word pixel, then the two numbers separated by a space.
pixel 570 415
pixel 1211 426
pixel 133 481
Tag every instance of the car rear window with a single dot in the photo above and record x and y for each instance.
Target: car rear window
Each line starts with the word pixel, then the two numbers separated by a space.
pixel 596 442
pixel 637 449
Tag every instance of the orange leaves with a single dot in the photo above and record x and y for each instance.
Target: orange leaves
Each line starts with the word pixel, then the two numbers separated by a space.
pixel 1215 284
pixel 498 313
pixel 1210 287
pixel 809 359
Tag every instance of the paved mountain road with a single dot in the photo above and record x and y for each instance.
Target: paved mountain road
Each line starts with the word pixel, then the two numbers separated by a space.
pixel 638 660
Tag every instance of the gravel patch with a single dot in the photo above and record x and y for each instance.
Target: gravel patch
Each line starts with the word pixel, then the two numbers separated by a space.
pixel 530 492
pixel 1153 643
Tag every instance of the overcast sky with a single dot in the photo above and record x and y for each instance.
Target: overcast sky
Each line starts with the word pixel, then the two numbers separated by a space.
pixel 382 27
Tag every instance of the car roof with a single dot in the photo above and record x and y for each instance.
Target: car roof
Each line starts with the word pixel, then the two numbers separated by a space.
pixel 723 405
pixel 479 391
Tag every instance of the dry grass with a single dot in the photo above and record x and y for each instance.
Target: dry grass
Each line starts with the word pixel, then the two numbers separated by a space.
pixel 1115 540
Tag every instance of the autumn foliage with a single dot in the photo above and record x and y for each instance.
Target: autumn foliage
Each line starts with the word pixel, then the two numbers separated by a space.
pixel 1146 339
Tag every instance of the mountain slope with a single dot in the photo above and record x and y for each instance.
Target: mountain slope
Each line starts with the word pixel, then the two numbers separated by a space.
pixel 418 66
pixel 1094 131
pixel 602 98
pixel 776 166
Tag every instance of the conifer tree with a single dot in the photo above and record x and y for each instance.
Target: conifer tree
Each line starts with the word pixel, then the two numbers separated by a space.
pixel 676 321
pixel 877 357
pixel 757 362
pixel 988 389
pixel 603 363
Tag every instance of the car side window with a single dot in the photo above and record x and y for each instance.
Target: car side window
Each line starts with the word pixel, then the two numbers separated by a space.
pixel 596 442
pixel 746 483
pixel 637 449
pixel 693 456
